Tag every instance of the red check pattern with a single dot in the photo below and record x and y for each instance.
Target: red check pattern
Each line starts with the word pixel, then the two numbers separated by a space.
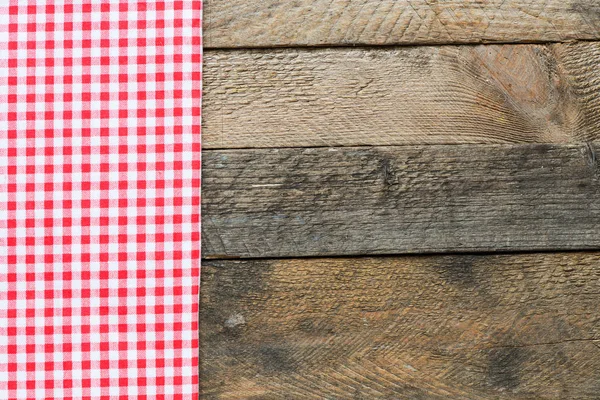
pixel 99 199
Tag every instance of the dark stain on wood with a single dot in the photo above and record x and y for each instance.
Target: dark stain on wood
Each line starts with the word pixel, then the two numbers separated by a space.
pixel 276 359
pixel 459 271
pixel 504 367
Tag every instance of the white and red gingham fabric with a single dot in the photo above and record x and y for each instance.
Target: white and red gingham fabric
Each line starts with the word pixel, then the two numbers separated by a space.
pixel 99 199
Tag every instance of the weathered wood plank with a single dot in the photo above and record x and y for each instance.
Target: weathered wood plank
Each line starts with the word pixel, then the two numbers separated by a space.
pixel 399 199
pixel 268 23
pixel 419 95
pixel 446 327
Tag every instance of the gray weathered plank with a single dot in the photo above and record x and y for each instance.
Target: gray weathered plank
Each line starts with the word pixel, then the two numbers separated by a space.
pixel 419 95
pixel 399 199
pixel 268 23
pixel 445 327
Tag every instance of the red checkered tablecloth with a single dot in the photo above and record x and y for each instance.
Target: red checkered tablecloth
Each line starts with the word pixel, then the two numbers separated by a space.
pixel 99 199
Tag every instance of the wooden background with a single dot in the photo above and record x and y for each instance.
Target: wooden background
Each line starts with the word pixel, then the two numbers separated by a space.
pixel 401 199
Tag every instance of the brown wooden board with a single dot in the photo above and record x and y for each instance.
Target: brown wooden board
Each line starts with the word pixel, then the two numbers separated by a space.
pixel 399 199
pixel 445 327
pixel 268 23
pixel 392 96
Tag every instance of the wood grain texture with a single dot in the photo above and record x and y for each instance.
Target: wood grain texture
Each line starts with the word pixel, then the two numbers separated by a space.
pixel 399 199
pixel 389 96
pixel 444 327
pixel 268 23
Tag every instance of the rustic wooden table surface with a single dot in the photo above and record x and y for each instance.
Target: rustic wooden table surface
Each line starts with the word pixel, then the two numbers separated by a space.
pixel 401 199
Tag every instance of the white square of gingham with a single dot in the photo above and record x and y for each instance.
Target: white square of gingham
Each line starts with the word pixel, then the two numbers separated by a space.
pixel 99 199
